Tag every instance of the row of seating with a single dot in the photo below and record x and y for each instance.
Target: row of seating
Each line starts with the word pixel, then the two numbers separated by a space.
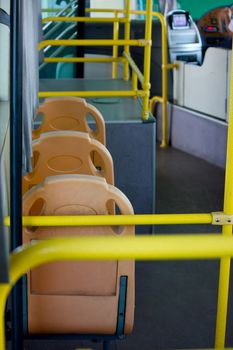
pixel 73 175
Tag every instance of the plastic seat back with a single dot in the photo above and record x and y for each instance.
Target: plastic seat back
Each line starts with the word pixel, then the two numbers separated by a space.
pixel 67 152
pixel 77 297
pixel 70 113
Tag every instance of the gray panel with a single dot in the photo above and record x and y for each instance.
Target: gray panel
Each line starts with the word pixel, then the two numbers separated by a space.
pixel 196 134
pixel 132 146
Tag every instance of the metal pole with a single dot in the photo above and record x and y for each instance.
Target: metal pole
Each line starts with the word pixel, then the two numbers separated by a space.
pixel 225 264
pixel 147 59
pixel 16 162
pixel 127 37
pixel 80 35
pixel 115 48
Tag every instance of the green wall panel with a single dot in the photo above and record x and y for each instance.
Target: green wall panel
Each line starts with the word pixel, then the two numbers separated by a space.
pixel 197 8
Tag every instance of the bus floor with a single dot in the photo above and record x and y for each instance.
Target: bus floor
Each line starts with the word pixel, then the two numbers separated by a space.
pixel 175 301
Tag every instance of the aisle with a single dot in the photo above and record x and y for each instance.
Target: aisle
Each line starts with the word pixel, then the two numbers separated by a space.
pixel 176 301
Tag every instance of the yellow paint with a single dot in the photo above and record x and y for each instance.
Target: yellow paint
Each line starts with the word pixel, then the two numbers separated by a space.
pixel 44 94
pixel 115 48
pixel 114 220
pixel 127 37
pixel 134 81
pixel 225 264
pixel 134 67
pixel 50 10
pixel 89 10
pixel 150 247
pixel 90 42
pixel 84 19
pixel 146 43
pixel 147 61
pixel 83 59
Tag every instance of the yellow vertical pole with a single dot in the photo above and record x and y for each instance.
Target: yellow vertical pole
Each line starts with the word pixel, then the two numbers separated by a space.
pixel 127 37
pixel 164 82
pixel 147 59
pixel 115 48
pixel 134 81
pixel 224 274
pixel 3 298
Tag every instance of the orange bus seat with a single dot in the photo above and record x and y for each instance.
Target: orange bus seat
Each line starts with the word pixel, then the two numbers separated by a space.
pixel 70 113
pixel 77 297
pixel 67 152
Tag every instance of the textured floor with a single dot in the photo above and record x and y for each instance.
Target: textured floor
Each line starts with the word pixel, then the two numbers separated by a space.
pixel 175 301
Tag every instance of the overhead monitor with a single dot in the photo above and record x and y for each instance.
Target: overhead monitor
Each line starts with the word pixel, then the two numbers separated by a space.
pixel 179 20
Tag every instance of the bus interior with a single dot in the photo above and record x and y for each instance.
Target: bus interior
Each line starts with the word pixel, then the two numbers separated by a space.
pixel 116 174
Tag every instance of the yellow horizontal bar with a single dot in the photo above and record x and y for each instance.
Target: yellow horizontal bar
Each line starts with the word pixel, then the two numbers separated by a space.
pixel 55 10
pixel 90 42
pixel 88 10
pixel 82 59
pixel 83 19
pixel 44 94
pixel 171 66
pixel 157 99
pixel 134 67
pixel 161 247
pixel 132 12
pixel 115 220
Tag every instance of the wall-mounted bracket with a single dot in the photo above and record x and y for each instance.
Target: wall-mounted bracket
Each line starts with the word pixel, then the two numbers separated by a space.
pixel 220 219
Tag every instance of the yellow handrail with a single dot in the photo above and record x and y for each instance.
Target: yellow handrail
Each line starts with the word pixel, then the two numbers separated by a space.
pixel 225 265
pixel 165 66
pixel 164 77
pixel 91 42
pixel 127 37
pixel 108 248
pixel 84 19
pixel 115 52
pixel 121 93
pixel 104 10
pixel 114 220
pixel 152 247
pixel 134 67
pixel 84 59
pixel 147 60
pixel 51 10
pixel 126 42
